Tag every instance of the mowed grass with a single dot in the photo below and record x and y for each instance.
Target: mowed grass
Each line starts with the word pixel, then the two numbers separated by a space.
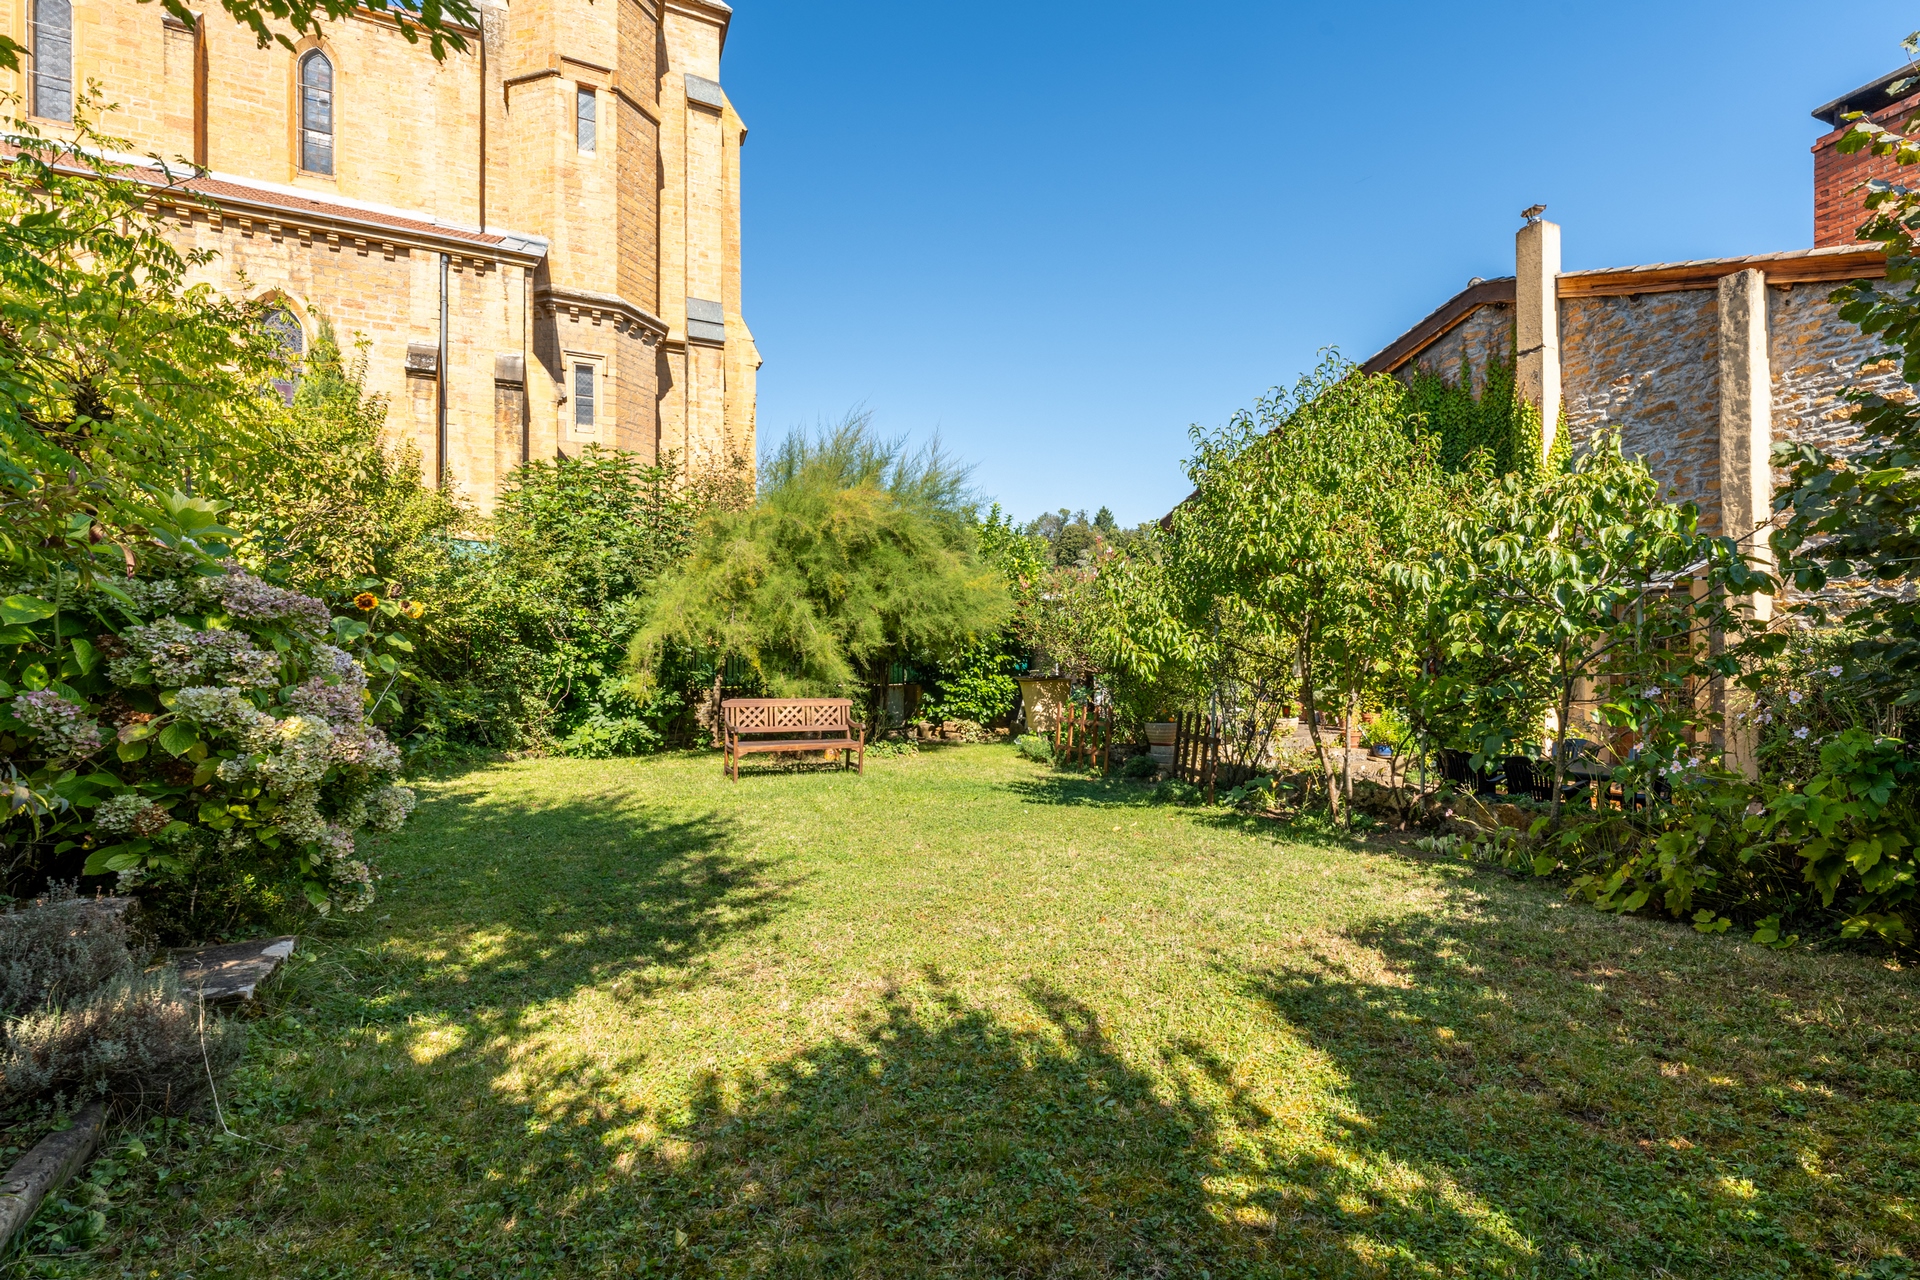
pixel 968 1017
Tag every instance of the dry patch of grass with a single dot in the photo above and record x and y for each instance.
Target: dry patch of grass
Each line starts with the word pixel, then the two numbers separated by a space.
pixel 966 1017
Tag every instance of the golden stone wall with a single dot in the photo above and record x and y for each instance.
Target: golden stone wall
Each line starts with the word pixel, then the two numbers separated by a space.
pixel 469 169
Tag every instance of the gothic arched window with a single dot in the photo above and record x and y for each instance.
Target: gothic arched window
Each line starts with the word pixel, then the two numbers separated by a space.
pixel 316 113
pixel 293 344
pixel 53 59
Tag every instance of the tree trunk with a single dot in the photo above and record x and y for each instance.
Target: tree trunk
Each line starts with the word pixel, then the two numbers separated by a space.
pixel 1346 741
pixel 1313 726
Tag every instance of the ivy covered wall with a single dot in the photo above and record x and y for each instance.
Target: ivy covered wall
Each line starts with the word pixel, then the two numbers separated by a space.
pixel 1470 412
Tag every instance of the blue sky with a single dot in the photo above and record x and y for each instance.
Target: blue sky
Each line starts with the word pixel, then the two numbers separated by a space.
pixel 1058 234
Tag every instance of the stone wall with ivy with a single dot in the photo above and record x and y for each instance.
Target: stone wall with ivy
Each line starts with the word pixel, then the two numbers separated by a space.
pixel 1483 338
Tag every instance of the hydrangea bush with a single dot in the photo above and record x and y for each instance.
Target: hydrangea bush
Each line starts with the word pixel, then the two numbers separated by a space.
pixel 196 733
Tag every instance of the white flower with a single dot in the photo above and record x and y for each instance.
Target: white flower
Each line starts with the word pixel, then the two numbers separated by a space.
pixel 1801 732
pixel 388 808
pixel 129 813
pixel 291 753
pixel 218 707
pixel 299 818
pixel 1835 670
pixel 1651 691
pixel 1794 697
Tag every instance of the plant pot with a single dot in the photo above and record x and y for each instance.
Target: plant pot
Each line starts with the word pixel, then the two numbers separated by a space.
pixel 1385 753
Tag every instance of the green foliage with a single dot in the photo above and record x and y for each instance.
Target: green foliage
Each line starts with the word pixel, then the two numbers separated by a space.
pixel 1389 729
pixel 857 554
pixel 1584 576
pixel 1060 611
pixel 1853 521
pixel 119 381
pixel 976 684
pixel 1068 539
pixel 1289 565
pixel 197 732
pixel 440 21
pixel 1140 768
pixel 579 545
pixel 1830 850
pixel 330 503
pixel 1465 424
pixel 1035 747
pixel 1177 791
pixel 164 716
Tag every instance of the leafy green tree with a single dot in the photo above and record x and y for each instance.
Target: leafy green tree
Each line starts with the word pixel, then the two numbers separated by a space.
pixel 331 503
pixel 1587 578
pixel 530 624
pixel 197 731
pixel 1283 556
pixel 857 554
pixel 119 381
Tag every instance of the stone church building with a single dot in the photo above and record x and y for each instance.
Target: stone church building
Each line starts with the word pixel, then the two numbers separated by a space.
pixel 539 238
pixel 1700 366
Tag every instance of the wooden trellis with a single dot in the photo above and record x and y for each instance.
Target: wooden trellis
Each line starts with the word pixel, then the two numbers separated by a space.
pixel 1196 750
pixel 1084 735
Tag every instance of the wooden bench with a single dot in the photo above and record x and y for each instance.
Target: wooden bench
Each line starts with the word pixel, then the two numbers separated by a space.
pixel 790 724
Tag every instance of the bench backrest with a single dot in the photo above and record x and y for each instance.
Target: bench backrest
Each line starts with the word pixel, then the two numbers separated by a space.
pixel 786 715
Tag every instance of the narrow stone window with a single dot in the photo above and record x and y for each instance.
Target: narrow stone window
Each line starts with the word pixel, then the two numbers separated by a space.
pixel 586 112
pixel 53 60
pixel 293 344
pixel 583 390
pixel 316 113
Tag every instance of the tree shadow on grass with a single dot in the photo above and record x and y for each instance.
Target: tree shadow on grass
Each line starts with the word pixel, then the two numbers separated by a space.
pixel 943 1140
pixel 1629 1111
pixel 510 902
pixel 1062 788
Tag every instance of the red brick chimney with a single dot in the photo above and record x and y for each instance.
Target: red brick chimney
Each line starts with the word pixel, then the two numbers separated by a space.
pixel 1837 199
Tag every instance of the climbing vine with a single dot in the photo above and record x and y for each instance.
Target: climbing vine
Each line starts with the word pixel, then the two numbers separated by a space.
pixel 1495 420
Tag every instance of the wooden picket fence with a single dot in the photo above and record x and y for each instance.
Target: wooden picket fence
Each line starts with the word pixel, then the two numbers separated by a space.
pixel 1196 750
pixel 1084 735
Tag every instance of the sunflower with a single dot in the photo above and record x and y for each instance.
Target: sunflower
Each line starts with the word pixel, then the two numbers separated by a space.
pixel 366 601
pixel 415 609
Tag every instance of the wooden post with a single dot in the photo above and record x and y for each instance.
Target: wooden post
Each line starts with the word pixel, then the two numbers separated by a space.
pixel 1213 755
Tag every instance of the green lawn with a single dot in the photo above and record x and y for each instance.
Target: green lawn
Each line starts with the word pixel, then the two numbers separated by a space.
pixel 968 1017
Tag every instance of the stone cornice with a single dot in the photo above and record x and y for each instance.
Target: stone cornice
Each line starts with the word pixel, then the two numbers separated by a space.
pixel 586 304
pixel 281 210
